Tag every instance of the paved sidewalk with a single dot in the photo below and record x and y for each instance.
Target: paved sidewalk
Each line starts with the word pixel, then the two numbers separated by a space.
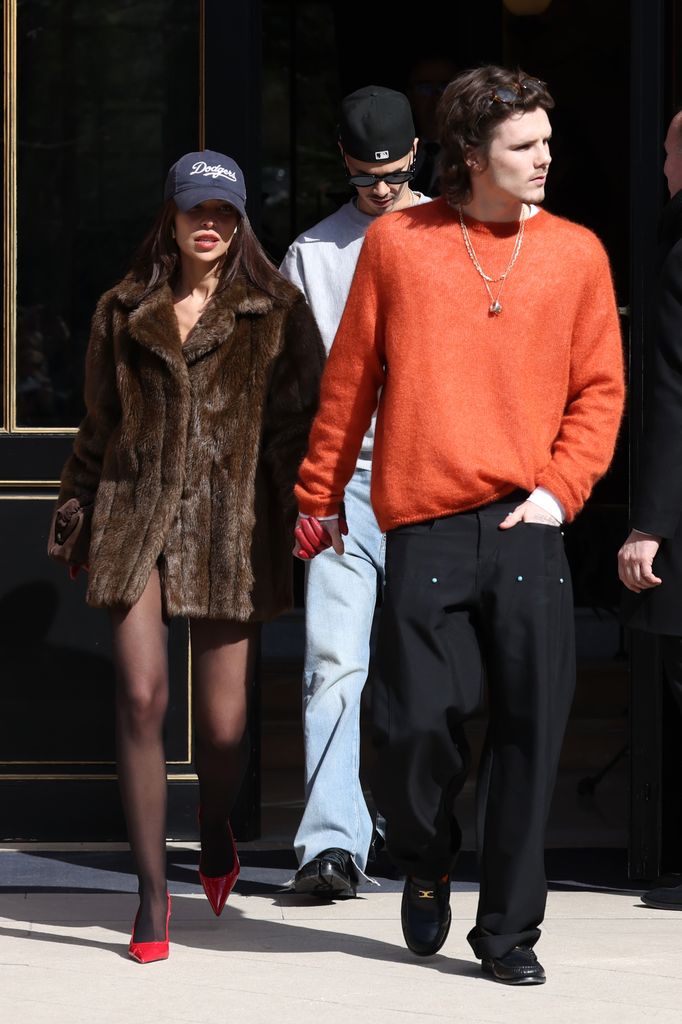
pixel 281 959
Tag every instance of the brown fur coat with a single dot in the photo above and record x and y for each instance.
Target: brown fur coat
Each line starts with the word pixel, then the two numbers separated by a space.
pixel 192 451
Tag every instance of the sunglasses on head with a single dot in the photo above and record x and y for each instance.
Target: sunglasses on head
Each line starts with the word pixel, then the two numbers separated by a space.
pixel 518 93
pixel 392 178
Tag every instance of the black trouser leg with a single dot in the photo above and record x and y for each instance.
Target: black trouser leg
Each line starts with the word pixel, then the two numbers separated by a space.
pixel 527 636
pixel 671 655
pixel 460 590
pixel 429 680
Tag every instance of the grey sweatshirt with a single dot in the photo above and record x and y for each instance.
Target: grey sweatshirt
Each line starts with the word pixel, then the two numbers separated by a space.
pixel 321 262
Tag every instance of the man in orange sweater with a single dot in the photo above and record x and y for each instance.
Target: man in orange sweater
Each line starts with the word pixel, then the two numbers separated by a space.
pixel 490 327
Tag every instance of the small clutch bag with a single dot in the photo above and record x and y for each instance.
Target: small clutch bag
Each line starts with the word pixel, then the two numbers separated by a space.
pixel 69 537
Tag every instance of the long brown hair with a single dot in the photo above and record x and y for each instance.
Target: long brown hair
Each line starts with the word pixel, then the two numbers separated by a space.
pixel 468 113
pixel 157 260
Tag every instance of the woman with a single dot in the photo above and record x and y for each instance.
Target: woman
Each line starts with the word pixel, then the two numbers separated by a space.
pixel 202 379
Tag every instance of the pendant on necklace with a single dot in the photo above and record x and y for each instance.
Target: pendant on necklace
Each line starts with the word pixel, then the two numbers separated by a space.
pixel 495 308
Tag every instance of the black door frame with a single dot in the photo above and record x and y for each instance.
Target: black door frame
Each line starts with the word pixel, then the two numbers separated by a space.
pixel 649 19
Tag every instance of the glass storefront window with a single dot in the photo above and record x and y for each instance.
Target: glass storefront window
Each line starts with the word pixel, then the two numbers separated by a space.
pixel 107 99
pixel 302 179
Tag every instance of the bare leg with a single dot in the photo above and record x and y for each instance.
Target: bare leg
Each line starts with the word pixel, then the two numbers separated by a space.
pixel 140 637
pixel 223 656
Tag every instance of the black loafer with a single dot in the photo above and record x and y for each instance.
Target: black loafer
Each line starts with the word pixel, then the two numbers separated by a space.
pixel 519 966
pixel 425 915
pixel 329 875
pixel 664 898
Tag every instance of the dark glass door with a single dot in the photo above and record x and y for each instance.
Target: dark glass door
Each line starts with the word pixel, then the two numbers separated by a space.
pixel 315 52
pixel 101 97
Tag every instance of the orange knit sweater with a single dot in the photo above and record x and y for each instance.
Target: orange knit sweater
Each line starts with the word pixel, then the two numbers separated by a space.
pixel 472 406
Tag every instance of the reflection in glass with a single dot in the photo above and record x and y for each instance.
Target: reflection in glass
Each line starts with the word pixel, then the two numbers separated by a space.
pixel 303 179
pixel 107 99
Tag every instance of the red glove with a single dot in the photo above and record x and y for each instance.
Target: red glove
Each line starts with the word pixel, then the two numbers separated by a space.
pixel 311 537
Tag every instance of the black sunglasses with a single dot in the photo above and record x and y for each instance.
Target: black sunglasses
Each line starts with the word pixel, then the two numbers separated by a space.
pixel 393 178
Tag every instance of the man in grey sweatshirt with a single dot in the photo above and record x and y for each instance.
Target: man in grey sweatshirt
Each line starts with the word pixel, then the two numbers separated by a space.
pixel 378 145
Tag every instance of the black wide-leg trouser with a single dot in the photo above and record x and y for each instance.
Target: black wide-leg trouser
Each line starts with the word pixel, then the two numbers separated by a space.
pixel 671 655
pixel 465 601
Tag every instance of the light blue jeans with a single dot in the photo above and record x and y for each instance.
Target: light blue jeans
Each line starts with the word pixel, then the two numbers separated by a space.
pixel 340 598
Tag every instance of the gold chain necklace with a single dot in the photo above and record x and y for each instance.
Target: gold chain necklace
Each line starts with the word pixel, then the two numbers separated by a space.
pixel 495 307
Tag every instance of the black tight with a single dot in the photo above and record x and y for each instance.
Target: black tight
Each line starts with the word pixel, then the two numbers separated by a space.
pixel 223 656
pixel 222 669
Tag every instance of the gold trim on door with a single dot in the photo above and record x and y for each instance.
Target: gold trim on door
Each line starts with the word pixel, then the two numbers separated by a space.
pixel 31 483
pixel 27 497
pixel 8 399
pixel 170 776
pixel 9 180
pixel 9 247
pixel 202 76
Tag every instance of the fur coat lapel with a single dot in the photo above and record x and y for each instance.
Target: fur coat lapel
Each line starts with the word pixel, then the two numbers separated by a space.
pixel 152 321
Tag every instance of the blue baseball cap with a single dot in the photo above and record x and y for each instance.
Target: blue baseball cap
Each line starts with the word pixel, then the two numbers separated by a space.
pixel 196 177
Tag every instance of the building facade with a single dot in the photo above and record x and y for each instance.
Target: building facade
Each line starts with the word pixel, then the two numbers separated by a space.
pixel 100 97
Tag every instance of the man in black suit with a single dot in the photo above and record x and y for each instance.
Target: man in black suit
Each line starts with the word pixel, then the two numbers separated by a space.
pixel 650 560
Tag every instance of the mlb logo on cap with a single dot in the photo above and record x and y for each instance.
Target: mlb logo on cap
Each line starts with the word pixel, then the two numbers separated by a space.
pixel 376 124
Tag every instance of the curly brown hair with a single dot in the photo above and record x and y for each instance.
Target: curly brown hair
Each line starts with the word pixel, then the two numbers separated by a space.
pixel 470 109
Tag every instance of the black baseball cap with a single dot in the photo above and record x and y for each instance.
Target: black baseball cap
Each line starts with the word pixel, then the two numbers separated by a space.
pixel 376 124
pixel 196 177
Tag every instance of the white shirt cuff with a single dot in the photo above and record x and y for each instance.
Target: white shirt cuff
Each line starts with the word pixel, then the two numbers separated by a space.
pixel 320 519
pixel 545 500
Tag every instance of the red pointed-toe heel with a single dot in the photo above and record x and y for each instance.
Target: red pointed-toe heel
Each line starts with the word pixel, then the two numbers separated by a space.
pixel 148 952
pixel 219 888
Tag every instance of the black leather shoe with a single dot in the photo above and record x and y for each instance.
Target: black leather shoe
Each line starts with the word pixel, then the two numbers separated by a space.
pixel 329 875
pixel 519 966
pixel 425 915
pixel 664 899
